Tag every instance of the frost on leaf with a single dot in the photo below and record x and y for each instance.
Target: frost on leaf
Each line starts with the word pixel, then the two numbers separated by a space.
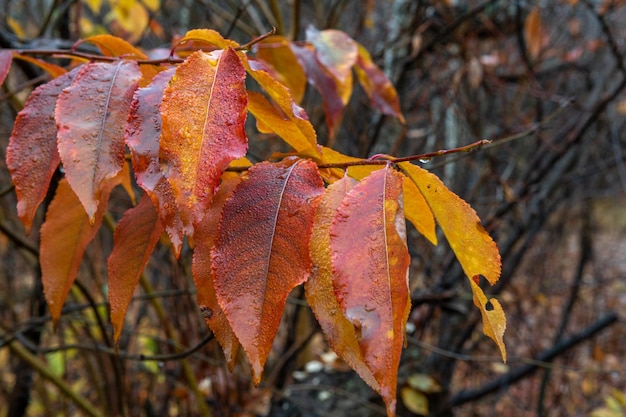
pixel 261 250
pixel 371 276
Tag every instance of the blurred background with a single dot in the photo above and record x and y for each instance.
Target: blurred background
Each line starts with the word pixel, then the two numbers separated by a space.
pixel 543 80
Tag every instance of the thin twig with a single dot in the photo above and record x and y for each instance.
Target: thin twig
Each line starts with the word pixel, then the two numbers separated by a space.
pixel 547 355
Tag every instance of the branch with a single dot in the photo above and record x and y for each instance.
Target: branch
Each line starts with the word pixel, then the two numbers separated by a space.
pixel 45 372
pixel 510 378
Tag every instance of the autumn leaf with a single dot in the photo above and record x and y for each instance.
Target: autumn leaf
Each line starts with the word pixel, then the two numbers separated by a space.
pixel 64 237
pixel 204 277
pixel 143 133
pixel 262 250
pixel 6 58
pixel 494 320
pixel 136 236
pixel 417 211
pixel 204 113
pixel 276 53
pixel 207 36
pixel 319 291
pixel 32 155
pixel 377 86
pixel 533 32
pixel 370 264
pixel 113 46
pixel 337 52
pixel 91 115
pixel 285 118
pixel 54 70
pixel 472 245
pixel 323 81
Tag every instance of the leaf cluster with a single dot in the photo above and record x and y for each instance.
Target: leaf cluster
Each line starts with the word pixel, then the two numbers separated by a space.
pixel 314 216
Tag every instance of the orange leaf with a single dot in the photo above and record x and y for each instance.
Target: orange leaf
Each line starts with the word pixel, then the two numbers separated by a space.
pixel 113 46
pixel 208 36
pixel 494 320
pixel 377 86
pixel 204 113
pixel 91 115
pixel 370 262
pixel 472 245
pixel 54 70
pixel 136 236
pixel 332 98
pixel 338 330
pixel 262 250
pixel 142 137
pixel 203 274
pixel 417 211
pixel 275 52
pixel 533 32
pixel 64 237
pixel 6 58
pixel 32 155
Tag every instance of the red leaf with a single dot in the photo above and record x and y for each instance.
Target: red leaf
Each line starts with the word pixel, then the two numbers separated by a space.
pixel 91 115
pixel 370 265
pixel 377 86
pixel 203 274
pixel 262 250
pixel 335 50
pixel 142 137
pixel 325 84
pixel 136 236
pixel 32 155
pixel 64 237
pixel 338 330
pixel 6 58
pixel 204 113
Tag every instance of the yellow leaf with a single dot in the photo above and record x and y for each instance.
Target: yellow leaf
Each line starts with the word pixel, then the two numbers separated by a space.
pixel 494 321
pixel 417 211
pixel 414 401
pixel 16 27
pixel 153 5
pixel 472 245
pixel 94 5
pixel 423 383
pixel 131 16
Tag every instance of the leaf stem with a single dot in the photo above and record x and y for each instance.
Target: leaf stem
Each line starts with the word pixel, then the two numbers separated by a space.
pixel 256 40
pixel 382 159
